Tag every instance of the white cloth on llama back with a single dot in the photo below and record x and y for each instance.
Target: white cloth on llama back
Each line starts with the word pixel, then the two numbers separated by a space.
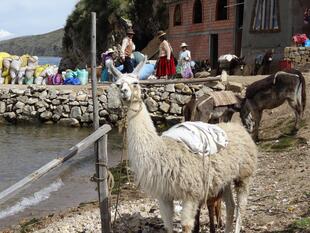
pixel 199 137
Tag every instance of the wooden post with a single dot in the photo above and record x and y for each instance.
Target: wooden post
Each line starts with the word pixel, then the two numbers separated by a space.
pixel 101 144
pixel 93 72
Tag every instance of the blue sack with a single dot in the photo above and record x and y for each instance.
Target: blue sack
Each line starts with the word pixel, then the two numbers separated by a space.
pixel 146 71
pixel 72 81
pixel 307 43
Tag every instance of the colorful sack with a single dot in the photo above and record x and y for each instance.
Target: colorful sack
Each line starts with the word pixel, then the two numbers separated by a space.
pixel 82 75
pixel 55 80
pixel 72 81
pixel 300 38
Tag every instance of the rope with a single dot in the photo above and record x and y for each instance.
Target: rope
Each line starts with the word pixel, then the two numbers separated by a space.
pixel 206 187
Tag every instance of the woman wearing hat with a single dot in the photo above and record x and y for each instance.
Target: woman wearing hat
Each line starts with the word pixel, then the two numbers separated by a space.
pixel 107 61
pixel 165 67
pixel 126 51
pixel 185 61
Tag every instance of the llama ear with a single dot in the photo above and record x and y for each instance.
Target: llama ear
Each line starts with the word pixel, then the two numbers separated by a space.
pixel 115 72
pixel 139 66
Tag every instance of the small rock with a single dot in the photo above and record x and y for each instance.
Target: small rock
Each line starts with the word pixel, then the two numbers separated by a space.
pixel 164 107
pixel 69 122
pixel 46 115
pixel 170 88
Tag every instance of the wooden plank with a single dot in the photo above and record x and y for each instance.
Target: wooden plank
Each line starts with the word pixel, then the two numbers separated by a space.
pixel 81 146
pixel 172 81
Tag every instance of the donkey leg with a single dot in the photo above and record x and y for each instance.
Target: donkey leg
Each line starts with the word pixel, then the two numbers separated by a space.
pixel 258 117
pixel 230 208
pixel 188 215
pixel 297 113
pixel 166 212
pixel 242 188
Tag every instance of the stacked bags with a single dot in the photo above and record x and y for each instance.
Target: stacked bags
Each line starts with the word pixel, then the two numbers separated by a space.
pixel 77 77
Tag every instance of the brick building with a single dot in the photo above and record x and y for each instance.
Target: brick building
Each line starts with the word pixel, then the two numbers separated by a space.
pixel 210 27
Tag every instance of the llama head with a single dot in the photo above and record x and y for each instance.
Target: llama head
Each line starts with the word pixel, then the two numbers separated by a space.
pixel 128 84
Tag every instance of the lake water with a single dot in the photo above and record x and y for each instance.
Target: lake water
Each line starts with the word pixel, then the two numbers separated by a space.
pixel 24 149
pixel 49 60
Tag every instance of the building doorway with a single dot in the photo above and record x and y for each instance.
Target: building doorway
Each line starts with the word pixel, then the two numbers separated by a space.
pixel 214 44
pixel 239 26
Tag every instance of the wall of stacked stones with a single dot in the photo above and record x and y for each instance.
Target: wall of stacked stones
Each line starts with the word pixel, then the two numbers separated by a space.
pixel 298 55
pixel 74 107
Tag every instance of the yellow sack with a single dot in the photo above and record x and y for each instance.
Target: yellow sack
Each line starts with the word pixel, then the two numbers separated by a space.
pixel 5 72
pixel 39 70
pixel 24 59
pixel 7 79
pixel 2 56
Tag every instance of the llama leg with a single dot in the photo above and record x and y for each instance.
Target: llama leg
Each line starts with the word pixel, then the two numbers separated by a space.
pixel 166 212
pixel 242 188
pixel 197 220
pixel 230 208
pixel 211 209
pixel 188 215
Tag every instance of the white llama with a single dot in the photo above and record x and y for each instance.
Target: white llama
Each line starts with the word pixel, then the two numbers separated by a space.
pixel 168 171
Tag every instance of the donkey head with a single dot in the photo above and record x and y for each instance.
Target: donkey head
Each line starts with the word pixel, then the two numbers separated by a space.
pixel 128 84
pixel 246 116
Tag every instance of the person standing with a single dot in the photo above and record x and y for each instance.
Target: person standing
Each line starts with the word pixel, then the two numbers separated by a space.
pixel 126 51
pixel 165 67
pixel 185 61
pixel 107 61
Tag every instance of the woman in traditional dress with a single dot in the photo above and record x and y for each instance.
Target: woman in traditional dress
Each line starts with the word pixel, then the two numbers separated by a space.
pixel 185 61
pixel 165 67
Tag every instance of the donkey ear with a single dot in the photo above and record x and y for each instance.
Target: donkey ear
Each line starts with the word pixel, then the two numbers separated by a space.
pixel 115 72
pixel 139 66
pixel 242 58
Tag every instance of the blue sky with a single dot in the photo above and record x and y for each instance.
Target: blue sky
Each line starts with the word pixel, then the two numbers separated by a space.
pixel 33 17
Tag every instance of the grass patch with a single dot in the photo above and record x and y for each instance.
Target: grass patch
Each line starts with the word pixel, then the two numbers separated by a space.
pixel 121 175
pixel 285 142
pixel 302 224
pixel 26 227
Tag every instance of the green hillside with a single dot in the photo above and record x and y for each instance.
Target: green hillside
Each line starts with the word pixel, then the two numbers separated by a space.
pixel 49 44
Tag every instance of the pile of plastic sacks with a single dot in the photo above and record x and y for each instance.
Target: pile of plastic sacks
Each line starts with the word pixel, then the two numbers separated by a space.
pixel 26 70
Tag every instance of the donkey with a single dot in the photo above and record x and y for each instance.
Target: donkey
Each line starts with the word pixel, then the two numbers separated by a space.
pixel 263 63
pixel 206 109
pixel 270 93
pixel 231 64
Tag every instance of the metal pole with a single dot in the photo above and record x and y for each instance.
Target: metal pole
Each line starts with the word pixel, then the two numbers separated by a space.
pixel 101 144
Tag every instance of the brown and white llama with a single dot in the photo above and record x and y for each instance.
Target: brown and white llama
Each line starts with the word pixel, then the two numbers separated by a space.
pixel 165 169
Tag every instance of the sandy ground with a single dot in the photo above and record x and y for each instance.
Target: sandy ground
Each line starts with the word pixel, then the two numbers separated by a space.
pixel 279 199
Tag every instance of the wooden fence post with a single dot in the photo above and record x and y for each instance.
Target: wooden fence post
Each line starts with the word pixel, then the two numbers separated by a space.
pixel 101 144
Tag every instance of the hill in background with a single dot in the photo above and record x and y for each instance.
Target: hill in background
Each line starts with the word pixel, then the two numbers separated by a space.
pixel 49 44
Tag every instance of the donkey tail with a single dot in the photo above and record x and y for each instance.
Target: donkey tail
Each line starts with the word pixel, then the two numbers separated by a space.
pixel 303 92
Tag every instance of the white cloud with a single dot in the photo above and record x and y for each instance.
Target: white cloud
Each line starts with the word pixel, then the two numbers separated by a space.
pixel 5 34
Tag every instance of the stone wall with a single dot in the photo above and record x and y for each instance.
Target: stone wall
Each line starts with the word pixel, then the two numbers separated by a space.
pixel 69 106
pixel 298 55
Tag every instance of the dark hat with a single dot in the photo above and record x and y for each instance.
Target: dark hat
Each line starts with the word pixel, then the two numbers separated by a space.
pixel 161 33
pixel 130 31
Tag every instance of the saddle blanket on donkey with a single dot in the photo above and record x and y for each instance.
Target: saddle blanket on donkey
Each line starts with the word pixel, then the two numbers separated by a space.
pixel 199 137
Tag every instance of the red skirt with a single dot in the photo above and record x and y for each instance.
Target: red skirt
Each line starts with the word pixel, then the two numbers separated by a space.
pixel 165 67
